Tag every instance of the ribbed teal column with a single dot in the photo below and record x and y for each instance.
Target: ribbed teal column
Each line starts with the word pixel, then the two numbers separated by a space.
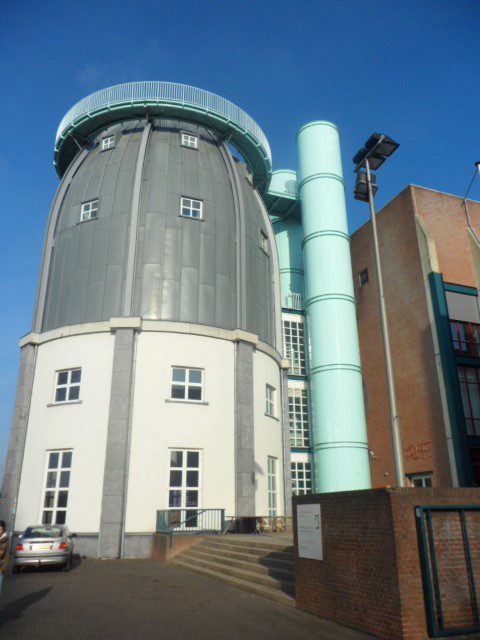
pixel 288 237
pixel 338 415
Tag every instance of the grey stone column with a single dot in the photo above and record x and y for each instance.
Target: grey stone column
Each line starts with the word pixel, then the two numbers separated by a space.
pixel 18 434
pixel 244 431
pixel 118 446
pixel 287 468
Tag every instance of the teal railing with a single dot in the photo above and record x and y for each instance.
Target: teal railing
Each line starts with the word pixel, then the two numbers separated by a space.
pixel 190 521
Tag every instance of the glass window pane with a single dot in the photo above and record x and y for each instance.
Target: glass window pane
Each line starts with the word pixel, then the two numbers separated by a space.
pixel 176 458
pixel 174 498
pixel 192 479
pixel 178 392
pixel 192 498
pixel 62 377
pixel 191 519
pixel 175 478
pixel 194 393
pixel 192 459
pixel 178 375
pixel 67 459
pixel 51 479
pixel 195 375
pixel 74 393
pixel 60 517
pixel 53 460
pixel 62 500
pixel 61 394
pixel 49 499
pixel 47 517
pixel 76 376
pixel 64 479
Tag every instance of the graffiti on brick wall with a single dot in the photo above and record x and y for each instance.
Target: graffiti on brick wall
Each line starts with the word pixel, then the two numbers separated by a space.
pixel 419 450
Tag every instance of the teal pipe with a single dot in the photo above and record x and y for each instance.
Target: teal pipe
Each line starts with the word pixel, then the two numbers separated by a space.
pixel 288 238
pixel 340 449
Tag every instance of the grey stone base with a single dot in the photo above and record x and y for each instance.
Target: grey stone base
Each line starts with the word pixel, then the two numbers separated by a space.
pixel 138 545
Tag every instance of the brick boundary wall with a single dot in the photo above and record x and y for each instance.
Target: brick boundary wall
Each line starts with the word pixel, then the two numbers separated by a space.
pixel 370 578
pixel 161 550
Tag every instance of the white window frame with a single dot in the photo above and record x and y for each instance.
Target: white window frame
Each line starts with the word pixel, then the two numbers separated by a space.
pixel 301 471
pixel 183 488
pixel 264 242
pixel 294 345
pixel 272 478
pixel 187 384
pixel 298 417
pixel 58 486
pixel 89 210
pixel 270 401
pixel 68 385
pixel 191 206
pixel 189 140
pixel 108 143
pixel 423 477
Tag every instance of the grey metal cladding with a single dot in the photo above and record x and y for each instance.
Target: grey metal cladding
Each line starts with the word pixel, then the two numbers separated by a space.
pixel 185 269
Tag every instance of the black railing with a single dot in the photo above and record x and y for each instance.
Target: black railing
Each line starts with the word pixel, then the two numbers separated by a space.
pixel 466 338
pixel 190 521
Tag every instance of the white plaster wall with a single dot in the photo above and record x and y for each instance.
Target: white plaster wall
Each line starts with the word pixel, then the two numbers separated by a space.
pixel 159 426
pixel 81 427
pixel 268 432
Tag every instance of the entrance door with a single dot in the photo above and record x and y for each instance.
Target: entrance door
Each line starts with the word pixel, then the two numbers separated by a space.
pixel 184 488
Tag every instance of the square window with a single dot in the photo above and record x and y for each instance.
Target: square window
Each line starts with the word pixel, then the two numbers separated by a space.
pixel 62 377
pixel 192 459
pixel 194 393
pixel 176 458
pixel 74 393
pixel 76 375
pixel 195 375
pixel 189 140
pixel 108 143
pixel 363 277
pixel 192 478
pixel 68 385
pixel 190 208
pixel 89 210
pixel 178 393
pixel 175 498
pixel 178 375
pixel 175 478
pixel 187 384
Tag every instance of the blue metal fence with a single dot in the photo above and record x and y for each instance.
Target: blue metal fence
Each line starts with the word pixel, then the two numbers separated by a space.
pixel 190 521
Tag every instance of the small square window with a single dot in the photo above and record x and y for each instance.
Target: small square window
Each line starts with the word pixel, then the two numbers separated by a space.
pixel 89 210
pixel 187 384
pixel 190 208
pixel 189 140
pixel 363 277
pixel 67 387
pixel 420 479
pixel 108 143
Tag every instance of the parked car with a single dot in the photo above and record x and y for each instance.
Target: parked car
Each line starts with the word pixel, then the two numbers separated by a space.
pixel 44 544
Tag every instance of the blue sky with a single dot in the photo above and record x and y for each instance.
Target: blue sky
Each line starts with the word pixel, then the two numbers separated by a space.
pixel 408 68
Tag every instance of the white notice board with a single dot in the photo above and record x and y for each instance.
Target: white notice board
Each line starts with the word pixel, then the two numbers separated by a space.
pixel 309 531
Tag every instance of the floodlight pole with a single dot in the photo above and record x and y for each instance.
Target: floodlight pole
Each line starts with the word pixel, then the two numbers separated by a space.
pixel 394 419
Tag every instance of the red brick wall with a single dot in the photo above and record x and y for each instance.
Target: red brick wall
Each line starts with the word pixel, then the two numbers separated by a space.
pixel 370 578
pixel 418 394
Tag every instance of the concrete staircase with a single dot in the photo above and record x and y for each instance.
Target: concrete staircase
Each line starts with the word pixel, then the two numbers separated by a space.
pixel 258 565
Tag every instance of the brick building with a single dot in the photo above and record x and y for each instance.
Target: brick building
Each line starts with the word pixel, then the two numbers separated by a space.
pixel 430 251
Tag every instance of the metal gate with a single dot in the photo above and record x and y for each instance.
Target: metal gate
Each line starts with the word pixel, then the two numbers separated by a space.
pixel 449 545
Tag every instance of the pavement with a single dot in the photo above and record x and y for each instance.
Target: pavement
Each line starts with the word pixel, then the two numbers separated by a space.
pixel 137 599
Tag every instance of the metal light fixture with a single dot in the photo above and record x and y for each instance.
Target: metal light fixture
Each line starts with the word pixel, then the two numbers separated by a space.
pixel 360 190
pixel 376 150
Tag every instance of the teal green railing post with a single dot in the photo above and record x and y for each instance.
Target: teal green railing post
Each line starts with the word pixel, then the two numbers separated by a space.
pixel 340 449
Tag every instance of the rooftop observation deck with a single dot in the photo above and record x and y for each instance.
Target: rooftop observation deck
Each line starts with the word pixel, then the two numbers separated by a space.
pixel 164 99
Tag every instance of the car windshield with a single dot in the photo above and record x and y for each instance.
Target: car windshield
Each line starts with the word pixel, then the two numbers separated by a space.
pixel 43 532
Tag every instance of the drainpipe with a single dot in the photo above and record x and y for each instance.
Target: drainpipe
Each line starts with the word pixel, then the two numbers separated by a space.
pixel 340 448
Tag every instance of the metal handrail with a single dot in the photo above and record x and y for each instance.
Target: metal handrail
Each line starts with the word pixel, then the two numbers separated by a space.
pixel 160 91
pixel 213 521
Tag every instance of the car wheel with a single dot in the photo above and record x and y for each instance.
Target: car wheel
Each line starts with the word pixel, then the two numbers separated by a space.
pixel 68 565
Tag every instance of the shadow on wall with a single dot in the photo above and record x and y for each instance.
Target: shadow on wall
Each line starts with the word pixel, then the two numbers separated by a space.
pixel 258 471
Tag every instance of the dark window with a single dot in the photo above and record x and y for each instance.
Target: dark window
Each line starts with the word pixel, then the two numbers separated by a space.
pixel 363 277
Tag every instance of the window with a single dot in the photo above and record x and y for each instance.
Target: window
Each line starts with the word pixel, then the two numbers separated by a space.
pixel 67 387
pixel 420 479
pixel 469 378
pixel 272 487
pixel 190 208
pixel 269 401
pixel 89 211
pixel 108 143
pixel 294 346
pixel 363 277
pixel 57 483
pixel 298 414
pixel 264 242
pixel 189 140
pixel 187 384
pixel 184 487
pixel 475 460
pixel 301 478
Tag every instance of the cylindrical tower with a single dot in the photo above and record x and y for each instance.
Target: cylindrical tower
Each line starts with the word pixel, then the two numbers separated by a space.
pixel 152 378
pixel 338 417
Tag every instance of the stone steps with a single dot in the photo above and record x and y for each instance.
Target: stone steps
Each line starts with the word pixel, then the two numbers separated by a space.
pixel 260 567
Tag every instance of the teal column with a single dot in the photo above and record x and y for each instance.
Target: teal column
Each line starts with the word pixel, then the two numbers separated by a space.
pixel 338 426
pixel 288 237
